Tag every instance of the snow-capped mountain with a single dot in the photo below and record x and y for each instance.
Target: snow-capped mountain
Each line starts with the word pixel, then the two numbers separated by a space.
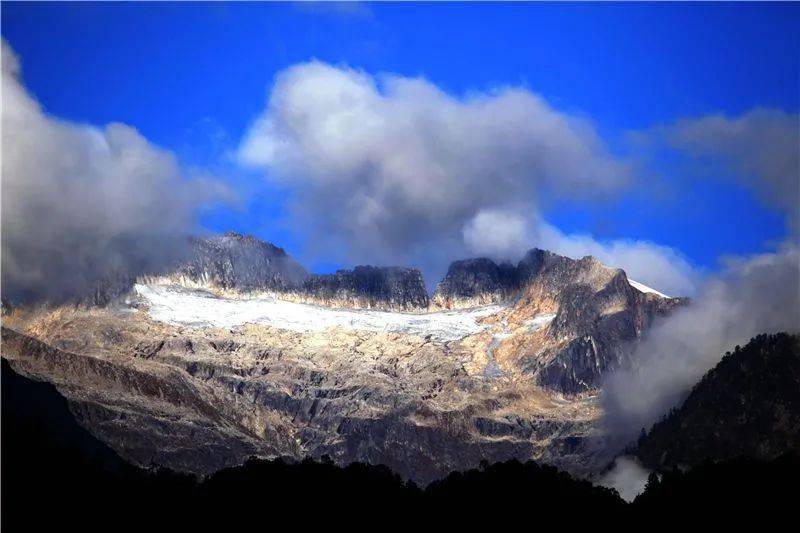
pixel 239 352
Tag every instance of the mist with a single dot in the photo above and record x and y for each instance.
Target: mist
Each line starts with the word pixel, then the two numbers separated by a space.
pixel 748 296
pixel 627 477
pixel 83 206
pixel 759 294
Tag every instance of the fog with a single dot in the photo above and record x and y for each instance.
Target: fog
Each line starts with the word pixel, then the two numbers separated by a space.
pixel 627 476
pixel 758 294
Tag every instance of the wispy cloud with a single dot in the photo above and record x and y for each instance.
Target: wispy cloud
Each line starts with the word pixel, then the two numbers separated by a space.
pixel 760 148
pixel 354 10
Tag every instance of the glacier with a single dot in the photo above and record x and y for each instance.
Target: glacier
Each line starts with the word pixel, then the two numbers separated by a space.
pixel 201 309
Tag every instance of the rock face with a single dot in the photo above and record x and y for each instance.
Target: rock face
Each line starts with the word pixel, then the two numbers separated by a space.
pixel 234 261
pixel 597 314
pixel 392 288
pixel 746 406
pixel 242 263
pixel 471 282
pixel 200 400
pixel 424 394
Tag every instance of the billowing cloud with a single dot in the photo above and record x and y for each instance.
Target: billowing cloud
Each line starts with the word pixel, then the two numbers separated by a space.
pixel 760 294
pixel 498 234
pixel 80 203
pixel 393 169
pixel 760 147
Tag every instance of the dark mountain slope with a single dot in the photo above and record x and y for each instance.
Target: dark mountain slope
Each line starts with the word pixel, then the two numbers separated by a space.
pixel 724 492
pixel 748 405
pixel 394 288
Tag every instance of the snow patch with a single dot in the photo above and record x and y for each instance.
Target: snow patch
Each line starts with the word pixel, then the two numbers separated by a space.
pixel 539 321
pixel 644 288
pixel 200 309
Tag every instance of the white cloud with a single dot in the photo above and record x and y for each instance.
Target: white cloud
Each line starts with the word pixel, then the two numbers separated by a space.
pixel 393 169
pixel 498 234
pixel 80 203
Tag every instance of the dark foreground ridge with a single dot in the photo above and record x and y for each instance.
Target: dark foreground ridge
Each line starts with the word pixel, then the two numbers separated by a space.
pixel 56 474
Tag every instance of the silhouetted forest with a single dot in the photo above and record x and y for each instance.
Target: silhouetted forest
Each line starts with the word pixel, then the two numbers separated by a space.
pixel 735 487
pixel 57 475
pixel 748 405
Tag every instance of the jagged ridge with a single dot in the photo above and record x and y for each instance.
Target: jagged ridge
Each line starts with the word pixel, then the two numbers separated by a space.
pixel 598 314
pixel 234 261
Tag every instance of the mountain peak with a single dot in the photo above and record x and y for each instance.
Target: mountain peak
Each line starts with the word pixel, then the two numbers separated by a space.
pixel 236 261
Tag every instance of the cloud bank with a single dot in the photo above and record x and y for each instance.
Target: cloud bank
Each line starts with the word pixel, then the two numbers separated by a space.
pixel 81 204
pixel 759 294
pixel 392 169
pixel 752 295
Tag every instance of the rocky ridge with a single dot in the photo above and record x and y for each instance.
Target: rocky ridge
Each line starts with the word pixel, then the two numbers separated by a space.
pixel 597 315
pixel 199 396
pixel 471 282
pixel 235 264
pixel 368 287
pixel 239 262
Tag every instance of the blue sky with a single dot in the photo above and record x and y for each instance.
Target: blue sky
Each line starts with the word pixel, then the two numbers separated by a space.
pixel 192 78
